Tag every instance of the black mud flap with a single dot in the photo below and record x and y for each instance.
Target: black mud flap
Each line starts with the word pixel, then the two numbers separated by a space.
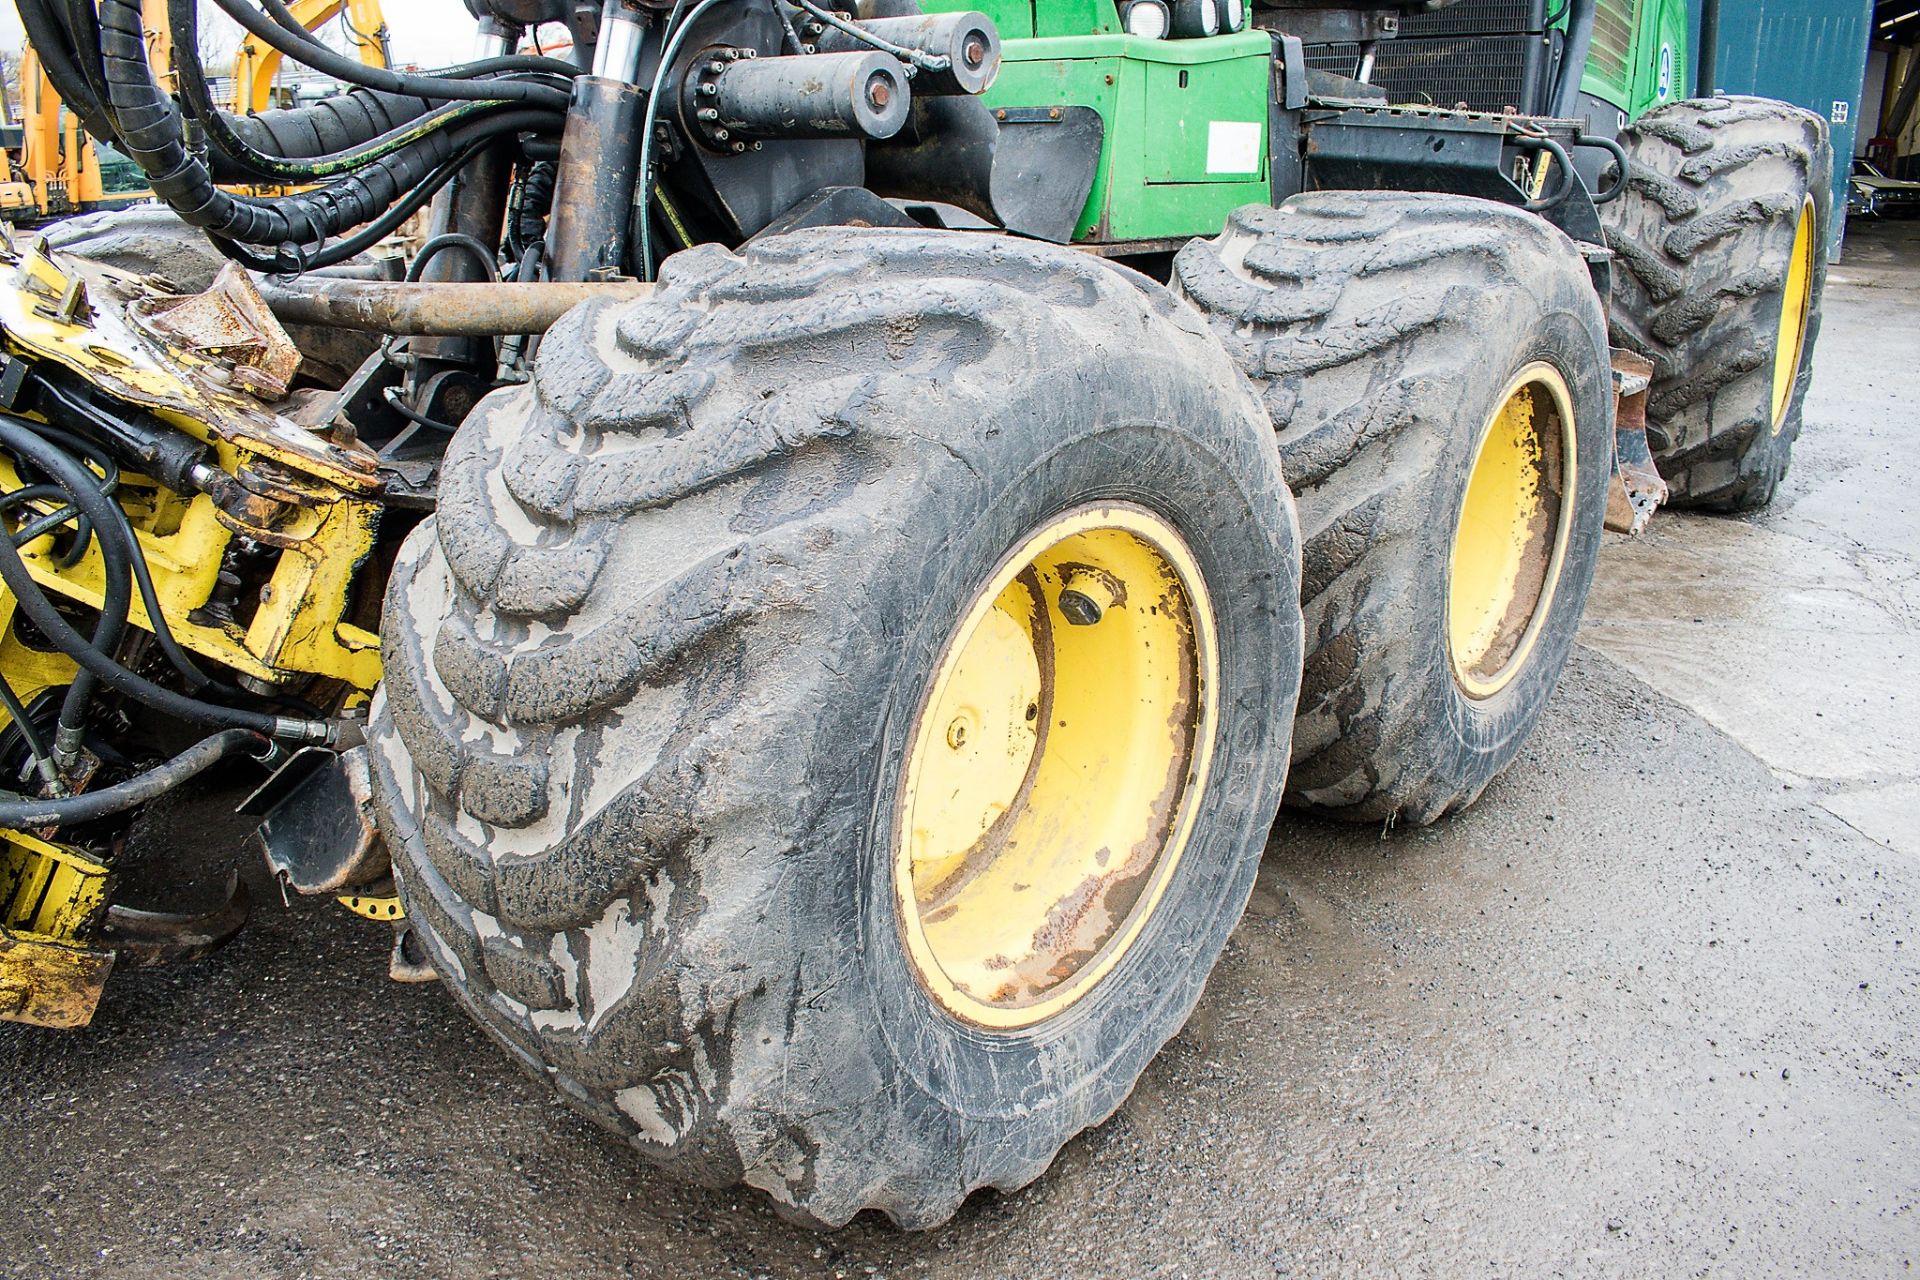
pixel 318 833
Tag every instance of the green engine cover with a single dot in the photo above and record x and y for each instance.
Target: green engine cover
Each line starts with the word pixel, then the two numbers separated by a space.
pixel 1641 57
pixel 1186 124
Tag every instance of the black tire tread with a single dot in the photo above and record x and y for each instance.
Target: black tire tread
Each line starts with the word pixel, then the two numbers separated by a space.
pixel 631 539
pixel 1352 313
pixel 1700 236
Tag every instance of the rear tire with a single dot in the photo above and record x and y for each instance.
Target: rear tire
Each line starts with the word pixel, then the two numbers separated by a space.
pixel 1384 331
pixel 1720 241
pixel 657 668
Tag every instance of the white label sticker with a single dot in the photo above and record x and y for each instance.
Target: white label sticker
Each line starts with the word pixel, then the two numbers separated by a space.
pixel 1840 113
pixel 1233 146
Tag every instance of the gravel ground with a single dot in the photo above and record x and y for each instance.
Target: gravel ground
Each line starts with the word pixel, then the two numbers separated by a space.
pixel 1645 1010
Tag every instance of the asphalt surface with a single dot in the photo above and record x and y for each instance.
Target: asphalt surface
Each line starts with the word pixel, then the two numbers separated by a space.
pixel 1647 1009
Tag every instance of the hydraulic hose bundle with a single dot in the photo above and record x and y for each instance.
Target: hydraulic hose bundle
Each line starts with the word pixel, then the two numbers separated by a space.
pixel 381 150
pixel 78 474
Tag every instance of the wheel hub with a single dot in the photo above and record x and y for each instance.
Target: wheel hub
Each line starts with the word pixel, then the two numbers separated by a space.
pixel 1796 298
pixel 1512 532
pixel 1046 797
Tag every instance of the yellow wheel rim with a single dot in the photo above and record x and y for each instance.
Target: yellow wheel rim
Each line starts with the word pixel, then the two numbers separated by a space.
pixel 1048 794
pixel 1795 298
pixel 1512 532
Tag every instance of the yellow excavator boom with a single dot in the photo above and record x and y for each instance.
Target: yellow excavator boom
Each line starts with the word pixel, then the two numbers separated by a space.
pixel 255 65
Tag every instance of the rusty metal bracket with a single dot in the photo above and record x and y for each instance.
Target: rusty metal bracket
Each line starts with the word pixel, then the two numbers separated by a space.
pixel 228 321
pixel 1636 488
pixel 319 833
pixel 162 937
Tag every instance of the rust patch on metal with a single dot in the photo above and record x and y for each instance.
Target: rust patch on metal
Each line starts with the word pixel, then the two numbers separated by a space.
pixel 47 984
pixel 1636 488
pixel 230 323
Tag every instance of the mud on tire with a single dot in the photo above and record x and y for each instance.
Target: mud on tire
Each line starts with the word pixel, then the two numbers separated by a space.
pixel 1379 327
pixel 651 666
pixel 1703 236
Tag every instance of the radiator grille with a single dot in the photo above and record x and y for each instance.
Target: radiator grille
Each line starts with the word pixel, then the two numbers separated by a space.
pixel 1474 17
pixel 1487 73
pixel 1613 23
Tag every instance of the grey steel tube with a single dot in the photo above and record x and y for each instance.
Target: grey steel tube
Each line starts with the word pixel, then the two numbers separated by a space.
pixel 1708 63
pixel 438 310
pixel 821 95
pixel 1573 64
pixel 968 41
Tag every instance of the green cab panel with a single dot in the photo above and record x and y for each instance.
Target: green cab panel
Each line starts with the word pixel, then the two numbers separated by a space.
pixel 1640 57
pixel 1186 124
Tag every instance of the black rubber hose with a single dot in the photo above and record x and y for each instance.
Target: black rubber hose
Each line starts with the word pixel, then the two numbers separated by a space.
pixel 467 244
pixel 316 55
pixel 335 144
pixel 49 40
pixel 29 732
pixel 34 603
pixel 150 133
pixel 43 525
pixel 83 37
pixel 136 790
pixel 119 526
pixel 373 232
pixel 83 491
pixel 96 662
pixel 531 62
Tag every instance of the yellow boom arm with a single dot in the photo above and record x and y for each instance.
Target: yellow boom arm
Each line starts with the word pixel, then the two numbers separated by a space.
pixel 254 64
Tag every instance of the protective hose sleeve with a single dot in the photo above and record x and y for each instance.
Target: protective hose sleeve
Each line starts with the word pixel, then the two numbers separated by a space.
pixel 331 125
pixel 150 133
pixel 136 790
pixel 56 56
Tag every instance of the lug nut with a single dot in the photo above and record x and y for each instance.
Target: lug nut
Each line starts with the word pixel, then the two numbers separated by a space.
pixel 957 733
pixel 1085 597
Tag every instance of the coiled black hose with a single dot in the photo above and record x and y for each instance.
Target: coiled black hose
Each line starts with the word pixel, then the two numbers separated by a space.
pixel 452 83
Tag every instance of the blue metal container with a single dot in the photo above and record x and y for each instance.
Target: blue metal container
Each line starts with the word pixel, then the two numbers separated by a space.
pixel 1812 53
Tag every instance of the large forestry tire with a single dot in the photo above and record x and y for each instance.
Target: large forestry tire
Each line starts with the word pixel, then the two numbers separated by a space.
pixel 1387 333
pixel 744 586
pixel 151 240
pixel 1721 238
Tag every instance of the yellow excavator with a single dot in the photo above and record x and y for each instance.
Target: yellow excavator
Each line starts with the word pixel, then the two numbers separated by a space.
pixel 255 65
pixel 55 169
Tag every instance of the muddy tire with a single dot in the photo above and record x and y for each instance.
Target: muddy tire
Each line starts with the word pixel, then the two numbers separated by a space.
pixel 151 240
pixel 1720 241
pixel 1384 332
pixel 655 670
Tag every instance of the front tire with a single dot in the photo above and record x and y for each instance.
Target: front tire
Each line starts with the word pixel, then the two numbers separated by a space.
pixel 739 652
pixel 1721 244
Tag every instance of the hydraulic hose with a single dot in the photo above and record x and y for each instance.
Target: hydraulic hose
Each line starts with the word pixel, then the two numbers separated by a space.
pixel 304 49
pixel 34 603
pixel 136 790
pixel 49 40
pixel 83 492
